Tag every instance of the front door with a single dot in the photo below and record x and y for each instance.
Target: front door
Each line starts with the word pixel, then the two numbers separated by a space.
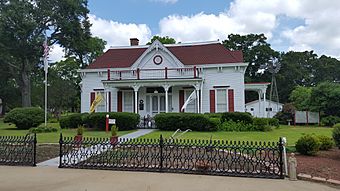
pixel 155 103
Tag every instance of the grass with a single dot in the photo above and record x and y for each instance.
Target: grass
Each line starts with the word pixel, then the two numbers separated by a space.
pixel 290 132
pixel 53 137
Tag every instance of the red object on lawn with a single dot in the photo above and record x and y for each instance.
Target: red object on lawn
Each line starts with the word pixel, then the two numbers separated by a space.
pixel 107 123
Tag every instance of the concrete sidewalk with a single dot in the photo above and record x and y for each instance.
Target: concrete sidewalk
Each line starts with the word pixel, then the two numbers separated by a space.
pixel 55 161
pixel 54 179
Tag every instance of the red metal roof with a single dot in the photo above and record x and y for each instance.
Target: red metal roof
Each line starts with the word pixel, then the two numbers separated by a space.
pixel 187 54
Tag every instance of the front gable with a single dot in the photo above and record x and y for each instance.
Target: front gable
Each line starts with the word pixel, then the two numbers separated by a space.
pixel 157 56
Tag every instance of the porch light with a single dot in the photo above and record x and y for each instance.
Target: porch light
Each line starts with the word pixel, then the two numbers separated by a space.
pixel 155 92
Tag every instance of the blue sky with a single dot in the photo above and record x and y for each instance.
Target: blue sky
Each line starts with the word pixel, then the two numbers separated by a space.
pixel 297 25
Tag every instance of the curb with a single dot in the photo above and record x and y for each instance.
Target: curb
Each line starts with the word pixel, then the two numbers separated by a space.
pixel 311 178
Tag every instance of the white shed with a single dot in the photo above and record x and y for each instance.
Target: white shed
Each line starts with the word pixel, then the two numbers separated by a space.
pixel 271 108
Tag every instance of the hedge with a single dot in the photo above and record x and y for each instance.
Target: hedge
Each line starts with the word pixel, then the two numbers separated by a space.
pixel 184 121
pixel 25 118
pixel 244 117
pixel 336 134
pixel 71 121
pixel 124 120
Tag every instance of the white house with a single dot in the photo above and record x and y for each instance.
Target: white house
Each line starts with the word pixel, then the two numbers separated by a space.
pixel 150 79
pixel 256 108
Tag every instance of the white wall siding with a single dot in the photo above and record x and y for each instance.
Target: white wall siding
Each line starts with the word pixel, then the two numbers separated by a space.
pixel 225 77
pixel 89 82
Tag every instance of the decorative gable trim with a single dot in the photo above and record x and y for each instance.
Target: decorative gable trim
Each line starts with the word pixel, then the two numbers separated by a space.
pixel 156 45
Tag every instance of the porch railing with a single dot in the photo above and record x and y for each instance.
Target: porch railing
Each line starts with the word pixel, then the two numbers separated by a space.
pixel 159 73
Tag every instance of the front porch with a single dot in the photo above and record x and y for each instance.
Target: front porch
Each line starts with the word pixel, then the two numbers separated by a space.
pixel 148 97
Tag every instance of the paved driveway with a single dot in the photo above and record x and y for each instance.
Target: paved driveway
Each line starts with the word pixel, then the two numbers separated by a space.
pixel 54 179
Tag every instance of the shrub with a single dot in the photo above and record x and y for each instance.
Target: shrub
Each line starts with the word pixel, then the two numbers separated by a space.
pixel 214 123
pixel 244 117
pixel 25 118
pixel 330 120
pixel 114 130
pixel 124 120
pixel 213 115
pixel 184 121
pixel 235 126
pixel 326 142
pixel 80 130
pixel 43 129
pixel 336 134
pixel 273 122
pixel 308 145
pixel 283 117
pixel 71 121
pixel 261 124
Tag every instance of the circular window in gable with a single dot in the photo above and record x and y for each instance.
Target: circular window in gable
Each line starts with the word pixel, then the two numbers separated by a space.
pixel 157 59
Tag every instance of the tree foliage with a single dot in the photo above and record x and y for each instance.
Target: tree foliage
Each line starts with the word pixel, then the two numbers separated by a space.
pixel 163 40
pixel 22 31
pixel 325 97
pixel 300 97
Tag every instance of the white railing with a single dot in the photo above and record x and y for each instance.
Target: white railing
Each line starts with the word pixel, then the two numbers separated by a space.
pixel 164 73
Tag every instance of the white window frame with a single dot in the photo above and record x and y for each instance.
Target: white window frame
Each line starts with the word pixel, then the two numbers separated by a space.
pixel 101 107
pixel 123 100
pixel 187 93
pixel 216 100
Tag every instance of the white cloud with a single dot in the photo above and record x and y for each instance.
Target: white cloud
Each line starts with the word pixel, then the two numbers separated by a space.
pixel 165 1
pixel 320 30
pixel 118 34
pixel 56 54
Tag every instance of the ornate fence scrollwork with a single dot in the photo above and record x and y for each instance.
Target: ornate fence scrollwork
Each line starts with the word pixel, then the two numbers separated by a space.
pixel 214 157
pixel 18 150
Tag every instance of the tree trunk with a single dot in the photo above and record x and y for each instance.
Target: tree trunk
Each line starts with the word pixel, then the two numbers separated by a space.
pixel 25 86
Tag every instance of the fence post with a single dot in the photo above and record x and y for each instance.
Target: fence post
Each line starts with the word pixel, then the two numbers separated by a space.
pixel 60 150
pixel 280 157
pixel 161 144
pixel 35 150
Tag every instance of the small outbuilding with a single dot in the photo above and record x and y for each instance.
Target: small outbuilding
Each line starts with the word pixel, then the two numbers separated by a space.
pixel 256 107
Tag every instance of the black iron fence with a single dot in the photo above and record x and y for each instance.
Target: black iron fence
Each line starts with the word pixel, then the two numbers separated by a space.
pixel 250 159
pixel 18 150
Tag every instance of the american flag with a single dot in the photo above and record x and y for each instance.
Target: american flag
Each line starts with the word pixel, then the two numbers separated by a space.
pixel 46 52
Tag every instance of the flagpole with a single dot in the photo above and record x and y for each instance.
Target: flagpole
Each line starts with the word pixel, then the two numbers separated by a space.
pixel 46 51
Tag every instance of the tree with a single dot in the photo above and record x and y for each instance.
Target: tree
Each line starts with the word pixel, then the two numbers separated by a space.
pixel 325 97
pixel 325 69
pixel 163 40
pixel 296 70
pixel 256 51
pixel 300 97
pixel 22 32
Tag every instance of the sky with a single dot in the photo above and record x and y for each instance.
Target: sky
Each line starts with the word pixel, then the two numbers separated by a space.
pixel 296 25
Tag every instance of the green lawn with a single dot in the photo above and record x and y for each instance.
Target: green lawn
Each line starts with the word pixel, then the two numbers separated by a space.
pixel 290 132
pixel 10 130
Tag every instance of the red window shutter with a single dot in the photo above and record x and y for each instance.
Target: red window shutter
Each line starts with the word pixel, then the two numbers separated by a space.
pixel 181 100
pixel 212 101
pixel 119 101
pixel 231 100
pixel 92 97
pixel 109 101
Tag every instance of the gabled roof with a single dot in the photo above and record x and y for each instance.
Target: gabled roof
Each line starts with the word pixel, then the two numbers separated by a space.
pixel 188 54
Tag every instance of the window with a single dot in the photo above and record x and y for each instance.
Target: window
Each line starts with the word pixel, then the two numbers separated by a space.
pixel 221 100
pixel 101 106
pixel 128 101
pixel 252 109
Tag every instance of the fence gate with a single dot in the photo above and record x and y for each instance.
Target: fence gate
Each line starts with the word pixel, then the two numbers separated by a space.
pixel 18 150
pixel 231 158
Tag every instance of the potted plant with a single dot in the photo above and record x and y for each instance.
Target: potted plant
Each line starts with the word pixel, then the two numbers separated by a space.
pixel 79 136
pixel 114 137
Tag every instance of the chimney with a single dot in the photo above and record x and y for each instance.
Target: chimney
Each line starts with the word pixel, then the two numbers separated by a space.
pixel 134 41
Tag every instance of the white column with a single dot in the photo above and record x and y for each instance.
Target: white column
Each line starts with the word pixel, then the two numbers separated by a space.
pixel 197 88
pixel 136 88
pixel 166 88
pixel 198 102
pixel 264 104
